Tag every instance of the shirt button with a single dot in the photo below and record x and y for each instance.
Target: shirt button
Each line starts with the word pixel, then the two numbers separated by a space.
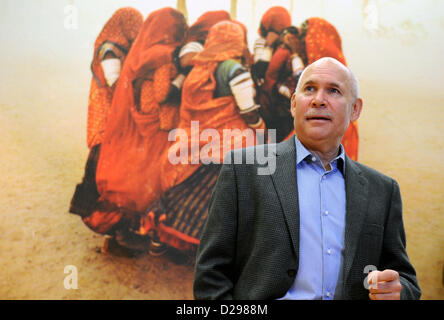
pixel 313 159
pixel 329 251
pixel 326 212
pixel 328 294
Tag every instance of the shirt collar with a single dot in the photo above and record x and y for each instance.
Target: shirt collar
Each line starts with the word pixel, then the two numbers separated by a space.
pixel 302 153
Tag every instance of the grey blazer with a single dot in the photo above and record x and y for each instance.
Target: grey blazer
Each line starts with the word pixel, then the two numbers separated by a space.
pixel 249 248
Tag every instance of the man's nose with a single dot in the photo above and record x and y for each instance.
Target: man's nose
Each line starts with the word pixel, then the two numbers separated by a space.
pixel 318 100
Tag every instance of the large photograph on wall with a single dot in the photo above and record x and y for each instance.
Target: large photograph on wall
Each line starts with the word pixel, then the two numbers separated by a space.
pixel 117 115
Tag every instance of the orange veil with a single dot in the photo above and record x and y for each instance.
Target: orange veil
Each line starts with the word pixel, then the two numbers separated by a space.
pixel 276 19
pixel 199 30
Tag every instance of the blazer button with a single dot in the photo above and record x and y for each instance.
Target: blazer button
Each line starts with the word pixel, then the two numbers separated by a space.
pixel 291 273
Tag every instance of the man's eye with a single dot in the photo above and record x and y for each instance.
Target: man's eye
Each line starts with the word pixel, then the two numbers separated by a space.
pixel 334 90
pixel 309 88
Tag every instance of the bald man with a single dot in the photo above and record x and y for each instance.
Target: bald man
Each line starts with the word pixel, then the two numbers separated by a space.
pixel 319 225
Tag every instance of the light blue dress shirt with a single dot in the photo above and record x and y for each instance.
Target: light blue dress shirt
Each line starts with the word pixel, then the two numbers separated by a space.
pixel 322 223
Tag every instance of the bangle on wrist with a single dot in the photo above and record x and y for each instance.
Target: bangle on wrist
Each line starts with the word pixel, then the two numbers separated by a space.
pixel 257 124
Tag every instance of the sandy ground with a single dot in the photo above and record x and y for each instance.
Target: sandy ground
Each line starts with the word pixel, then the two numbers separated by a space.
pixel 43 157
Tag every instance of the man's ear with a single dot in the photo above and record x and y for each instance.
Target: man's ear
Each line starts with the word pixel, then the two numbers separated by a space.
pixel 356 109
pixel 293 105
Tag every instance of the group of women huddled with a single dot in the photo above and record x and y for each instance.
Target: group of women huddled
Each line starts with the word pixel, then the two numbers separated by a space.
pixel 151 77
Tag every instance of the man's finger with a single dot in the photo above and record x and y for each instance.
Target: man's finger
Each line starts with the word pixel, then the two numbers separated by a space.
pixel 385 287
pixel 385 296
pixel 380 287
pixel 373 277
pixel 388 275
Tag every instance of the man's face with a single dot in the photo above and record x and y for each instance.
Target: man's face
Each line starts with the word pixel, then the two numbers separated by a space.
pixel 323 106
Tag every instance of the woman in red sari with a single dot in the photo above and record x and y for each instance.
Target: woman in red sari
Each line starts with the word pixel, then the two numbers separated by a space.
pixel 193 44
pixel 211 98
pixel 280 81
pixel 197 35
pixel 110 51
pixel 114 41
pixel 137 130
pixel 273 22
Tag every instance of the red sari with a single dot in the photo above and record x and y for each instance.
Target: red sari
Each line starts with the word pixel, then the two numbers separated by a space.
pixel 127 172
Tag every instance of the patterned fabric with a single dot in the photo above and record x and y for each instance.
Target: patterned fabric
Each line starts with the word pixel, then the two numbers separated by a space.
pixel 180 214
pixel 100 99
pixel 154 91
pixel 128 169
pixel 117 35
pixel 322 40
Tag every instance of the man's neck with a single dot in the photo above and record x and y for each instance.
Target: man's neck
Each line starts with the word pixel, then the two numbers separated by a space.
pixel 326 158
pixel 324 152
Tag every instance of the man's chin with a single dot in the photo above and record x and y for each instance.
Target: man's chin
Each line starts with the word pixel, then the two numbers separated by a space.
pixel 313 140
pixel 318 134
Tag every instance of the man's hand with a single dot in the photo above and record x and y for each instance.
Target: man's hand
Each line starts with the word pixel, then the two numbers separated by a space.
pixel 384 285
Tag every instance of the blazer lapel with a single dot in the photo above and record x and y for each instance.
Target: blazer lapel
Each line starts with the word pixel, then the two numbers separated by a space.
pixel 356 188
pixel 285 183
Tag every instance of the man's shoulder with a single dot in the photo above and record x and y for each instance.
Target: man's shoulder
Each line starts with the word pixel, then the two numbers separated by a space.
pixel 255 161
pixel 260 149
pixel 371 173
